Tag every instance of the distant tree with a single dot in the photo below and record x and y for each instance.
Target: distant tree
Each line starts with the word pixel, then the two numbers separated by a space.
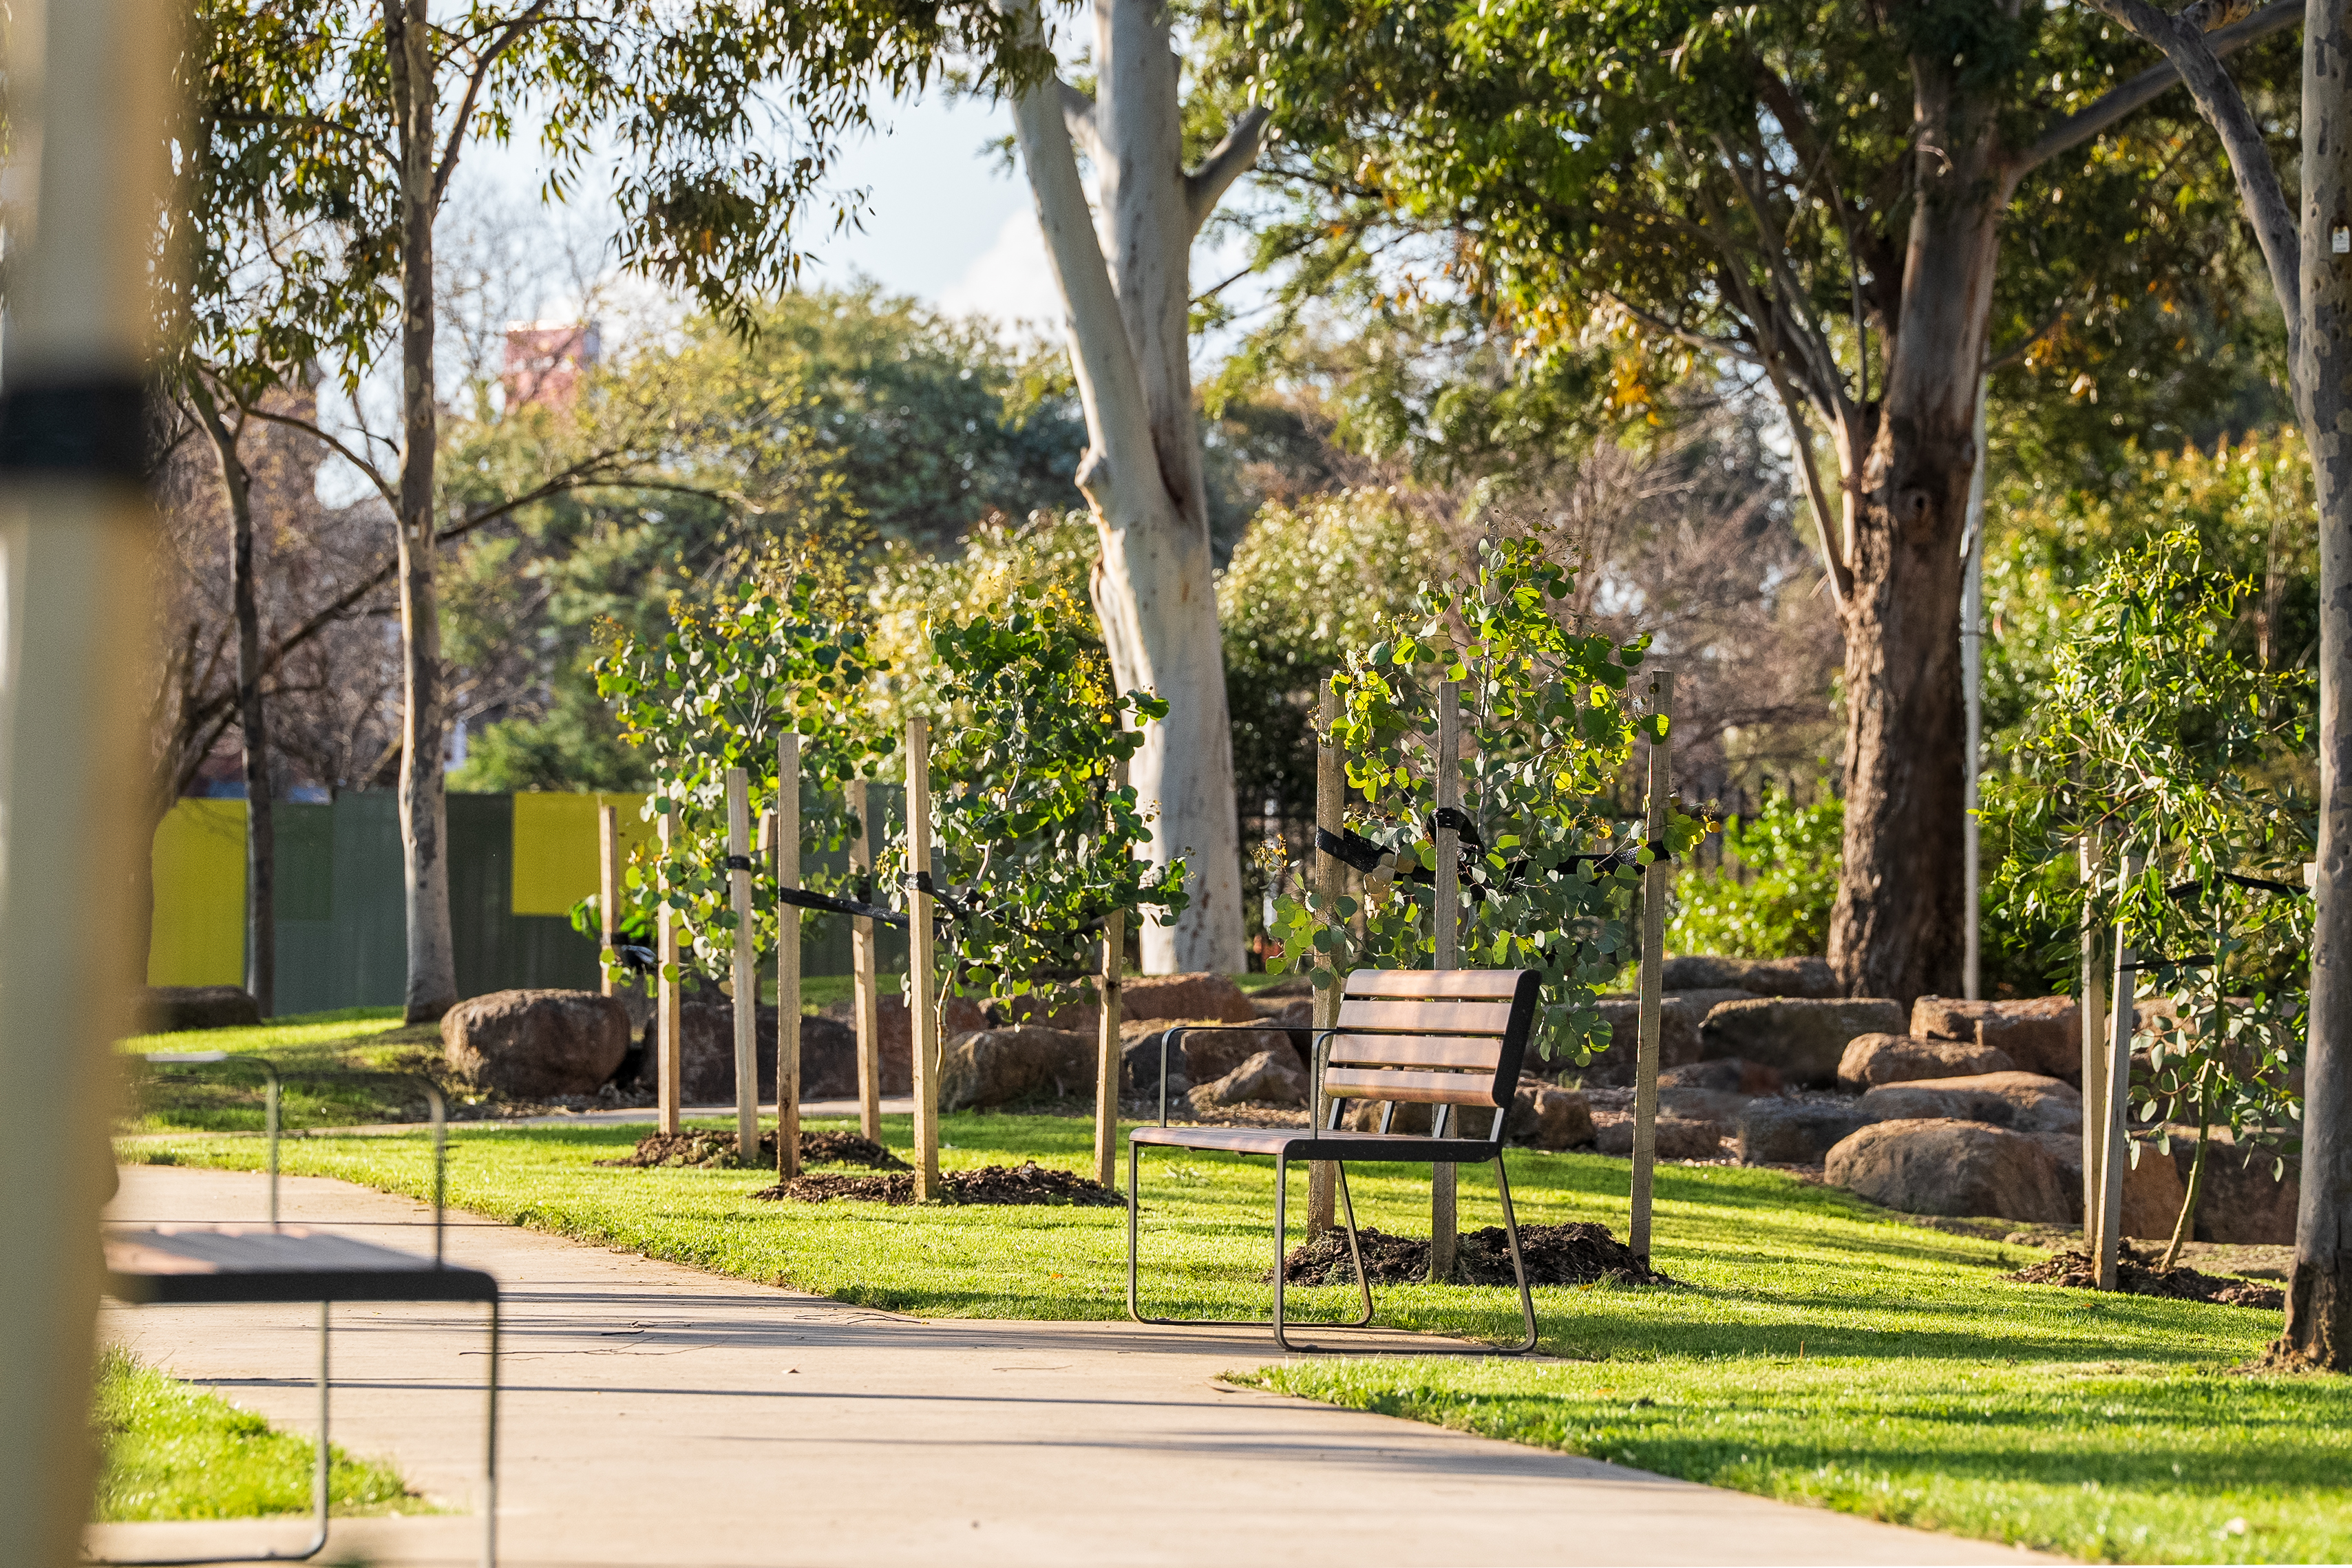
pixel 332 129
pixel 1863 207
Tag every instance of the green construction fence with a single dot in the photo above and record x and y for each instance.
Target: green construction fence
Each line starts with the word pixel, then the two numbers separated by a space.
pixel 517 864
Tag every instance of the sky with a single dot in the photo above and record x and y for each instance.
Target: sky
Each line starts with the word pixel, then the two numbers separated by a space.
pixel 947 221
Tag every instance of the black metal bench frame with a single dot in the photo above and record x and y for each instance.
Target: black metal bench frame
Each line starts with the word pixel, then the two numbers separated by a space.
pixel 379 1274
pixel 1401 1051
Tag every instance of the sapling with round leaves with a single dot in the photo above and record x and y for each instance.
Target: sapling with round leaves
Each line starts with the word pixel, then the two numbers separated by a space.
pixel 714 694
pixel 1036 835
pixel 2161 736
pixel 1548 876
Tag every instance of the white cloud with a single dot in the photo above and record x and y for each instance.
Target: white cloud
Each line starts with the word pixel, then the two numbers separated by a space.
pixel 1010 281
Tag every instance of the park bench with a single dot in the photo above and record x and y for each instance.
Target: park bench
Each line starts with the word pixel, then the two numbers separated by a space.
pixel 182 1264
pixel 1451 1039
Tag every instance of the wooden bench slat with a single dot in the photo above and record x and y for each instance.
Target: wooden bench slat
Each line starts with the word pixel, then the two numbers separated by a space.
pixel 1481 1052
pixel 1474 982
pixel 1446 1017
pixel 1419 1087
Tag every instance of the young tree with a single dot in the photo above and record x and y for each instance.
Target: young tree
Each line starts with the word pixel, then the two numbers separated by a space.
pixel 1811 198
pixel 2313 291
pixel 1125 284
pixel 335 127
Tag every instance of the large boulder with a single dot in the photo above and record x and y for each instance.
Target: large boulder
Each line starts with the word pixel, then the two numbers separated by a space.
pixel 2152 1187
pixel 1139 1060
pixel 1269 1078
pixel 1613 1065
pixel 1796 1132
pixel 1803 1041
pixel 1729 1075
pixel 2028 1102
pixel 2041 1035
pixel 1677 1139
pixel 1872 1060
pixel 996 1066
pixel 829 1059
pixel 896 1024
pixel 535 1045
pixel 1956 1168
pixel 2243 1202
pixel 1805 977
pixel 1203 995
pixel 705 1057
pixel 1718 1105
pixel 168 1009
pixel 1548 1116
pixel 1209 1055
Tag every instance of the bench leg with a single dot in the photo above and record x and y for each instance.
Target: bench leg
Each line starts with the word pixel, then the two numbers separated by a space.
pixel 1518 1264
pixel 1281 1189
pixel 490 1452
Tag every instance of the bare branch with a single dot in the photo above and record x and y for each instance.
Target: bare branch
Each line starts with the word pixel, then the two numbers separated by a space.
pixel 1705 341
pixel 1205 186
pixel 2146 87
pixel 489 57
pixel 310 427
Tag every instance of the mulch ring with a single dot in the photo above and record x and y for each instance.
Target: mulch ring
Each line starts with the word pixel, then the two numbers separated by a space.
pixel 2136 1274
pixel 1555 1254
pixel 1024 1183
pixel 707 1151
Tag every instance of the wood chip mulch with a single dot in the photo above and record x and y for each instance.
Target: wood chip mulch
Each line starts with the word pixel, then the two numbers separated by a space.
pixel 1024 1183
pixel 2136 1274
pixel 705 1150
pixel 1555 1254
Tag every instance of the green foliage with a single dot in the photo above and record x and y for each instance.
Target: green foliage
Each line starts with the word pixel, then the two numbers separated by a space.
pixel 1780 909
pixel 1546 726
pixel 1309 581
pixel 1630 195
pixel 2163 740
pixel 714 695
pixel 1035 831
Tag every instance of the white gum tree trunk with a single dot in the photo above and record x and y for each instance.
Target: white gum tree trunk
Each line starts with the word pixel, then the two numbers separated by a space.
pixel 1124 267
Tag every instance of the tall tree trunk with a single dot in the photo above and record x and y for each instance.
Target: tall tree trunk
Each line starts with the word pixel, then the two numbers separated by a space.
pixel 2319 1292
pixel 1896 930
pixel 1126 289
pixel 424 802
pixel 260 835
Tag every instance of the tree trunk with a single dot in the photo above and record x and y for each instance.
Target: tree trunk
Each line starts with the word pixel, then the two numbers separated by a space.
pixel 1896 930
pixel 2319 1292
pixel 424 805
pixel 1127 290
pixel 260 836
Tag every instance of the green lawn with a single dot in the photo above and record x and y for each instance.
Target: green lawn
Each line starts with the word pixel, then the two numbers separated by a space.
pixel 174 1452
pixel 1826 1352
pixel 225 1098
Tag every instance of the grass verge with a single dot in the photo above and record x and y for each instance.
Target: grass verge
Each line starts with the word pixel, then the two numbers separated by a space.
pixel 1825 1351
pixel 173 1452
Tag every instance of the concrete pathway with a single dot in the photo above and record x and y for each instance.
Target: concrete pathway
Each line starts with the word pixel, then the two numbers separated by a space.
pixel 655 1414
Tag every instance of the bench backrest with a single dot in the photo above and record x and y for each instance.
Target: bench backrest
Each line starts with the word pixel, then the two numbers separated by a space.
pixel 1439 1037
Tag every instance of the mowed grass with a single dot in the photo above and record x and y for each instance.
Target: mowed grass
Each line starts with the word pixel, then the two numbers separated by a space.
pixel 1825 1352
pixel 174 1452
pixel 340 1069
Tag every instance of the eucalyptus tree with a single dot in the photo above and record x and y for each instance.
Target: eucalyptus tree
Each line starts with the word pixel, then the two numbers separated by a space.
pixel 1124 268
pixel 1814 197
pixel 2305 257
pixel 333 129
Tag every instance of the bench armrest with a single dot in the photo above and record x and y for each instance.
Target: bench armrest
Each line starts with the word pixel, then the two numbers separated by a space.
pixel 1315 1074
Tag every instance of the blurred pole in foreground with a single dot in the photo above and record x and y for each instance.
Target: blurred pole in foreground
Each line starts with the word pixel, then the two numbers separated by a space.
pixel 90 106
